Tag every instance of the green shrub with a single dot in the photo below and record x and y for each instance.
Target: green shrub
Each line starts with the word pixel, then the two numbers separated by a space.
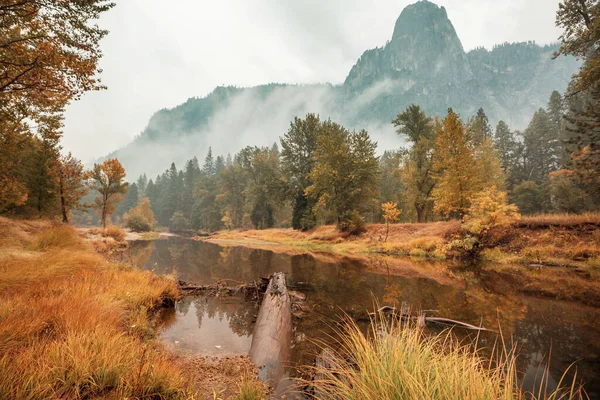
pixel 137 223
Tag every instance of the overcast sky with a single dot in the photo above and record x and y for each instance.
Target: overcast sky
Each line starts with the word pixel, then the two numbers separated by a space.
pixel 159 53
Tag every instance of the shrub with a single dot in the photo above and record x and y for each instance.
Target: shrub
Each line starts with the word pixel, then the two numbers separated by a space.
pixel 529 197
pixel 179 222
pixel 489 208
pixel 114 232
pixel 137 222
pixel 141 218
pixel 352 223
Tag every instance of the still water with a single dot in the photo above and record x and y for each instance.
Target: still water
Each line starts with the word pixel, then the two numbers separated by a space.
pixel 542 328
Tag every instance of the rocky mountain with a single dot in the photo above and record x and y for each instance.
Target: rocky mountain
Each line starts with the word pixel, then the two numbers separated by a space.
pixel 423 63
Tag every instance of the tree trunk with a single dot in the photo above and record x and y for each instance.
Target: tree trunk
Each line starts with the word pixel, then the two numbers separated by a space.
pixel 419 214
pixel 272 336
pixel 63 206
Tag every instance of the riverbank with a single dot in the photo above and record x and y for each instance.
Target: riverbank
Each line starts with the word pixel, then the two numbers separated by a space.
pixel 556 256
pixel 74 325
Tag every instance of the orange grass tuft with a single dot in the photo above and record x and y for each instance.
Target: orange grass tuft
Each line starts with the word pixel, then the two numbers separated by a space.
pixel 70 322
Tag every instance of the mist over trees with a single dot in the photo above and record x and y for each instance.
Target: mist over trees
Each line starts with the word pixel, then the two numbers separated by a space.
pixel 326 174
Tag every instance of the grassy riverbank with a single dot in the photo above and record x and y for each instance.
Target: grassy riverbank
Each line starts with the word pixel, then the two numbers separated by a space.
pixel 555 256
pixel 73 325
pixel 551 240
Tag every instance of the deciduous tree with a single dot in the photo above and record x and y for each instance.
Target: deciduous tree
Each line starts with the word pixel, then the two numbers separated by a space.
pixel 456 172
pixel 71 183
pixel 345 174
pixel 417 168
pixel 108 179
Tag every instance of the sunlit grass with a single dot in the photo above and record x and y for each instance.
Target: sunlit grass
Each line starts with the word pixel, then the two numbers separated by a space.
pixel 396 361
pixel 74 326
pixel 250 389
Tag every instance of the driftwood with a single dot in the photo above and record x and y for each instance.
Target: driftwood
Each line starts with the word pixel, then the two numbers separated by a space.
pixel 423 319
pixel 222 288
pixel 272 336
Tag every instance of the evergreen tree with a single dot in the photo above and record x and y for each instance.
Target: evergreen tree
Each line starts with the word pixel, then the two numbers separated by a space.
pixel 219 165
pixel 391 187
pixel 190 180
pixel 130 200
pixel 209 164
pixel 232 197
pixel 556 112
pixel 505 143
pixel 479 127
pixel 152 194
pixel 142 183
pixel 541 148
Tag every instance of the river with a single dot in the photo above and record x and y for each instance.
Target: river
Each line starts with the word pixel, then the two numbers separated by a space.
pixel 541 328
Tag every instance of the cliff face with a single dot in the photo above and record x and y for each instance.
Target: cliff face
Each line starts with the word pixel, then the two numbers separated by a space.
pixel 424 46
pixel 423 63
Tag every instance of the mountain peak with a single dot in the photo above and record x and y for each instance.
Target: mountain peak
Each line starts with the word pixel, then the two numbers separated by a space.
pixel 424 45
pixel 422 16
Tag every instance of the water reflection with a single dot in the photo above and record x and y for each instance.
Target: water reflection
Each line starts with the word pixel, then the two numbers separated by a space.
pixel 209 326
pixel 335 286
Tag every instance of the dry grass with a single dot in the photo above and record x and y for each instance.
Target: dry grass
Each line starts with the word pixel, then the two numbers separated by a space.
pixel 560 220
pixel 114 232
pixel 74 326
pixel 397 361
pixel 419 240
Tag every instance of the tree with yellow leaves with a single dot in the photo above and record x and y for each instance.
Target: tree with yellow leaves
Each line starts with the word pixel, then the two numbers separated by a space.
pixel 108 179
pixel 455 167
pixel 390 215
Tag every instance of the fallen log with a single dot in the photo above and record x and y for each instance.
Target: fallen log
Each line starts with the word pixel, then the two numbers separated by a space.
pixel 271 341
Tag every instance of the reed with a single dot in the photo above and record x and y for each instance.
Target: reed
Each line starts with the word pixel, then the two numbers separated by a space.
pixel 399 361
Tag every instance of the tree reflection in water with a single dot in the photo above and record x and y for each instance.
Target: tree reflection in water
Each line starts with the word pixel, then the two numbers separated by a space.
pixel 335 286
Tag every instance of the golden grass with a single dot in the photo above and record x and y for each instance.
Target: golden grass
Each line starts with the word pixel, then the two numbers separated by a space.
pixel 114 232
pixel 398 361
pixel 564 220
pixel 74 326
pixel 250 389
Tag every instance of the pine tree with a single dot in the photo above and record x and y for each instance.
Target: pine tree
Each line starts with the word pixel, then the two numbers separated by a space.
pixel 556 112
pixel 456 171
pixel 142 183
pixel 219 165
pixel 130 201
pixel 479 127
pixel 209 164
pixel 505 143
pixel 541 148
pixel 190 181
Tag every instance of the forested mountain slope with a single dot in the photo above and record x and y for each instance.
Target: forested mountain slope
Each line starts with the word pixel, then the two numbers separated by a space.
pixel 423 63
